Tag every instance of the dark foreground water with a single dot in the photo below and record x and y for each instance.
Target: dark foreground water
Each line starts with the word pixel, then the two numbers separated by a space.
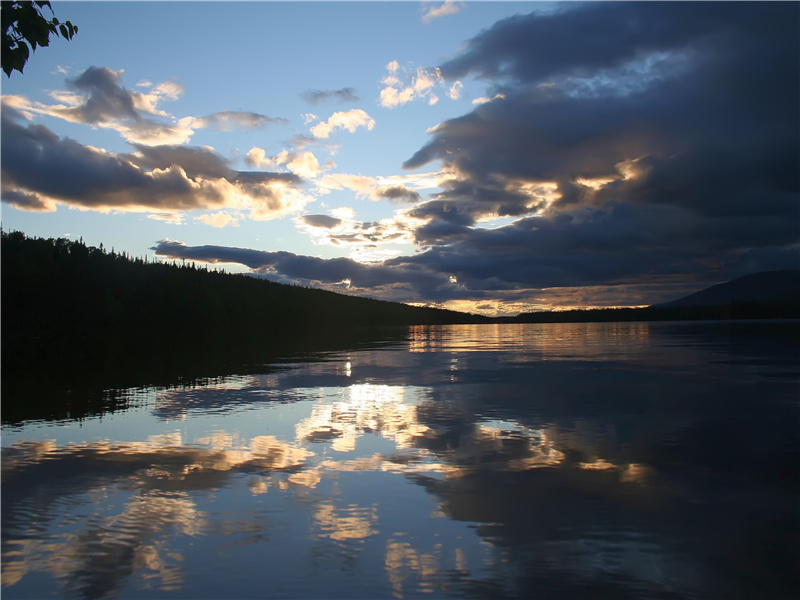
pixel 532 461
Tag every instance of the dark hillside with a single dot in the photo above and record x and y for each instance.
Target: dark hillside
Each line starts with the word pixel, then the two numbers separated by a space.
pixel 75 306
pixel 769 286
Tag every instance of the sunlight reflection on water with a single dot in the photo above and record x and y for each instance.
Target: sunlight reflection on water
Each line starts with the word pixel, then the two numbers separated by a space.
pixel 605 460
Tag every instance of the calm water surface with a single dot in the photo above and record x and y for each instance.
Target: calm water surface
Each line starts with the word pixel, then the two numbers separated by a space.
pixel 531 461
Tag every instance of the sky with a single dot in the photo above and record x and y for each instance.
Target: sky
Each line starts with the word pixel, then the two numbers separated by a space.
pixel 489 157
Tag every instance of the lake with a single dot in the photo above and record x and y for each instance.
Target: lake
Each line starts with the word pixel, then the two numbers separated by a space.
pixel 605 460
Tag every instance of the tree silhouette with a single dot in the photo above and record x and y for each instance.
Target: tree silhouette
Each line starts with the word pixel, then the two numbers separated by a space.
pixel 25 28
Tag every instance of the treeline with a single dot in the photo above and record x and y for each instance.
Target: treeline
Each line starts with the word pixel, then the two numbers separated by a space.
pixel 67 304
pixel 781 307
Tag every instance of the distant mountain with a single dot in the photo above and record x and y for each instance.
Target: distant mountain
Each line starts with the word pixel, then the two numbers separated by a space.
pixel 766 287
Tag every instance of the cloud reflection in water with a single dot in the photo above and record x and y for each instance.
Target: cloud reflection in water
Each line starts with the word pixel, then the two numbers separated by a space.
pixel 505 480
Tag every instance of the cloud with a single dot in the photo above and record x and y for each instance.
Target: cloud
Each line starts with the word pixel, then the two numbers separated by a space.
pixel 96 97
pixel 228 120
pixel 341 96
pixel 367 241
pixel 349 120
pixel 666 147
pixel 321 221
pixel 394 187
pixel 404 85
pixel 454 91
pixel 436 11
pixel 41 170
pixel 484 99
pixel 399 192
pixel 607 170
pixel 171 218
pixel 304 164
pixel 289 267
pixel 27 201
pixel 219 219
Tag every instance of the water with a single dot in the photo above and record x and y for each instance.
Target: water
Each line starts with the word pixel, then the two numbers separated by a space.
pixel 532 461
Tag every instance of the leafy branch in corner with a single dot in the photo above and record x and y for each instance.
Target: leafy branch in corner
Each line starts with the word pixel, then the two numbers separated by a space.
pixel 25 28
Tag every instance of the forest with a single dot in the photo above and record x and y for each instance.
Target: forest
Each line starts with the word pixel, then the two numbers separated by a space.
pixel 69 308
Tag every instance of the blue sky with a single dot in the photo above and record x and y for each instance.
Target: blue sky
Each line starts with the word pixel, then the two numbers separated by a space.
pixel 484 156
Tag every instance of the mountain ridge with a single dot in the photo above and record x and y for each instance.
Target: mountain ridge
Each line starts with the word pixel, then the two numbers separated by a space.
pixel 764 286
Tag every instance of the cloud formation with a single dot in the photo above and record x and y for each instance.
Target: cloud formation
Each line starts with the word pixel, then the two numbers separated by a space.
pixel 395 188
pixel 368 242
pixel 349 120
pixel 341 96
pixel 289 268
pixel 41 170
pixel 437 11
pixel 402 85
pixel 228 120
pixel 98 98
pixel 667 146
pixel 664 152
pixel 304 164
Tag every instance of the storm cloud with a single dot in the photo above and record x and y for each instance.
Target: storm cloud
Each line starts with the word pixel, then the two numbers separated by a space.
pixel 664 138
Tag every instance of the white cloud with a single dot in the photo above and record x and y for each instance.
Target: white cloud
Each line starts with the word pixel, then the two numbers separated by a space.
pixel 380 188
pixel 434 11
pixel 343 212
pixel 484 99
pixel 366 240
pixel 148 102
pixel 349 120
pixel 257 157
pixel 304 164
pixel 391 97
pixel 171 218
pixel 455 90
pixel 219 219
pixel 405 85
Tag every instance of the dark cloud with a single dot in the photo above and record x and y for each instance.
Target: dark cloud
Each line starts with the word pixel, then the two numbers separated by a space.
pixel 228 119
pixel 670 132
pixel 321 221
pixel 399 192
pixel 590 38
pixel 107 103
pixel 194 160
pixel 25 201
pixel 106 99
pixel 39 165
pixel 342 96
pixel 98 98
pixel 37 161
pixel 290 267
